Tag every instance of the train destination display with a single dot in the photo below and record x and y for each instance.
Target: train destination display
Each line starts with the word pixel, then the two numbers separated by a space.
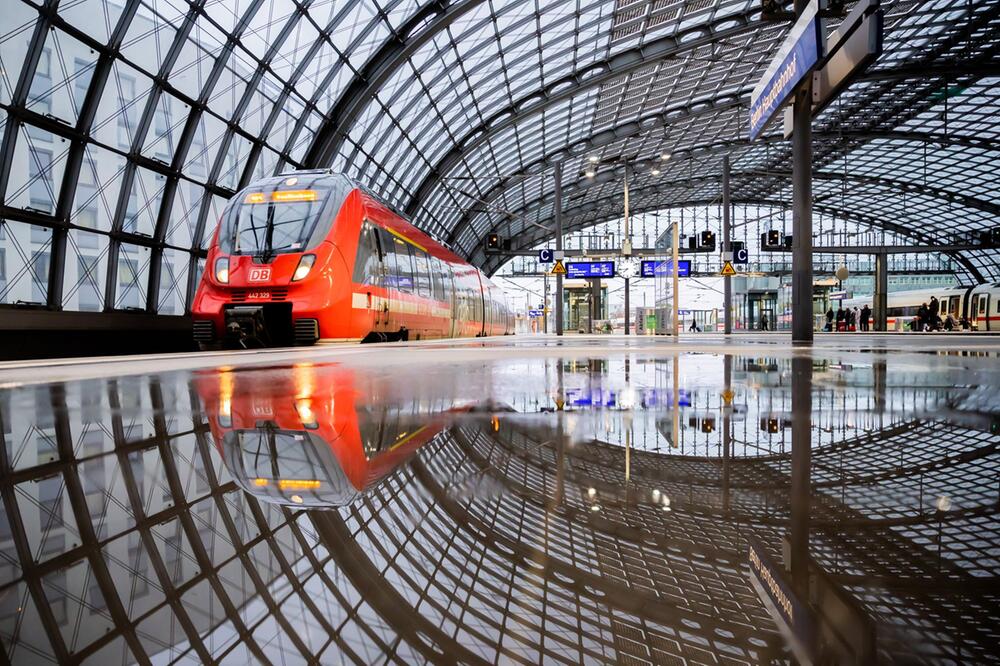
pixel 590 269
pixel 664 267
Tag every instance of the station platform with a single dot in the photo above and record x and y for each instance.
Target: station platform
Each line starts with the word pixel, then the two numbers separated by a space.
pixel 526 499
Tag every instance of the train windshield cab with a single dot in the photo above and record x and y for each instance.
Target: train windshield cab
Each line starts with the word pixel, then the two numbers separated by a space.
pixel 282 216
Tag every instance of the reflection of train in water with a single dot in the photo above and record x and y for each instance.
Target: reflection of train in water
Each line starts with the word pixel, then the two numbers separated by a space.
pixel 306 438
pixel 980 305
pixel 312 256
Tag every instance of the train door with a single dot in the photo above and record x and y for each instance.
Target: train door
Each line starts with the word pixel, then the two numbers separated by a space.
pixel 977 312
pixel 984 313
pixel 451 297
pixel 396 276
pixel 368 271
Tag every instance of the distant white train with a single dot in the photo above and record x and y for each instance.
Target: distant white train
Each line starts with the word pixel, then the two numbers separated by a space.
pixel 980 304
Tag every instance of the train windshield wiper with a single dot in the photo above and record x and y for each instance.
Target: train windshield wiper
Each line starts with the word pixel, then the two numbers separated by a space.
pixel 266 255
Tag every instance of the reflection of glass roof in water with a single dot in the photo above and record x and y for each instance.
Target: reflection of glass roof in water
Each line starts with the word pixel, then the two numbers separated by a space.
pixel 126 125
pixel 506 508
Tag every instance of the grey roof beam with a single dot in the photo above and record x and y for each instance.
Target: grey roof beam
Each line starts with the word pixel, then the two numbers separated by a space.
pixel 573 84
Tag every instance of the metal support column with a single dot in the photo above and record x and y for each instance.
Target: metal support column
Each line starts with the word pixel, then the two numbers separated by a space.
pixel 727 246
pixel 545 303
pixel 595 303
pixel 880 304
pixel 675 257
pixel 802 255
pixel 800 481
pixel 557 205
pixel 627 318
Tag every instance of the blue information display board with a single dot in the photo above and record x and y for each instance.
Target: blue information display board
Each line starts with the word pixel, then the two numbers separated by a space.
pixel 665 268
pixel 590 269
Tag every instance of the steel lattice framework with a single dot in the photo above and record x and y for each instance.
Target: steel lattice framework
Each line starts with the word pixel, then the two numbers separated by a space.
pixel 127 124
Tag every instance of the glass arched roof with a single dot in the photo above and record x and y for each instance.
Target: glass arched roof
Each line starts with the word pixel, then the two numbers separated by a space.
pixel 126 124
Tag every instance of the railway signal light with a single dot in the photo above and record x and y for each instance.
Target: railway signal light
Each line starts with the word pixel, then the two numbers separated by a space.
pixel 493 243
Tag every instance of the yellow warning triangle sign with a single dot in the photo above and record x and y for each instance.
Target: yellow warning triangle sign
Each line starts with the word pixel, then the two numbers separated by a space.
pixel 558 268
pixel 727 269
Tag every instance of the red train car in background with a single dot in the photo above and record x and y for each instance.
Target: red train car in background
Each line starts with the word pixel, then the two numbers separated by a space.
pixel 312 256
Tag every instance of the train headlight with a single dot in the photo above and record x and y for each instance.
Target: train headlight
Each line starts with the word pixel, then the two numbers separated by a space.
pixel 305 265
pixel 225 413
pixel 222 270
pixel 306 415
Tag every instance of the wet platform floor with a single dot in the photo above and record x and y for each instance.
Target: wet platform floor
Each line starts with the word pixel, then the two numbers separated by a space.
pixel 591 500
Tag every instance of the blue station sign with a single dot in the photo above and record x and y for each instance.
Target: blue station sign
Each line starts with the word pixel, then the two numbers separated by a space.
pixel 590 269
pixel 665 268
pixel 794 61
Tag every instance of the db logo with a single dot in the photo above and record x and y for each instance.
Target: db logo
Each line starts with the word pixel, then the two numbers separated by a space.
pixel 259 274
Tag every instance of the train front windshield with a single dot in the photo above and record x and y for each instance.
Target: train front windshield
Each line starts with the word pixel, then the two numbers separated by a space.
pixel 282 216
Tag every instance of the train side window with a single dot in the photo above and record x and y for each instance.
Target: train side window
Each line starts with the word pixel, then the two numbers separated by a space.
pixel 403 274
pixel 436 288
pixel 422 272
pixel 366 261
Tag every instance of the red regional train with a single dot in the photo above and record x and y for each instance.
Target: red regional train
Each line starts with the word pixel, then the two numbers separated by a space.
pixel 312 256
pixel 315 436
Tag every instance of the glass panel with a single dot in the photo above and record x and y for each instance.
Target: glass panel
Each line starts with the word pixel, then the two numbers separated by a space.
pixel 24 262
pixel 172 298
pixel 99 16
pixel 184 214
pixel 37 170
pixel 168 123
pixel 18 25
pixel 86 271
pixel 143 205
pixel 62 77
pixel 133 277
pixel 121 106
pixel 97 190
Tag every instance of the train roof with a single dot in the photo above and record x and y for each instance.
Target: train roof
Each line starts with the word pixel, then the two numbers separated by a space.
pixel 355 184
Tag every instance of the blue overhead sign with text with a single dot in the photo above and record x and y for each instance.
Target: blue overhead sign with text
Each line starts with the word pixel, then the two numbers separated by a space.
pixel 665 268
pixel 590 269
pixel 794 61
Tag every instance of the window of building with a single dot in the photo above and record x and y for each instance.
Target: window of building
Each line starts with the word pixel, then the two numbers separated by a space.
pixel 82 71
pixel 40 277
pixel 126 118
pixel 40 186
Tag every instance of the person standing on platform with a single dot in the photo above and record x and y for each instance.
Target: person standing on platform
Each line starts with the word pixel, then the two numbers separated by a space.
pixel 923 316
pixel 866 313
pixel 935 308
pixel 763 322
pixel 841 316
pixel 829 319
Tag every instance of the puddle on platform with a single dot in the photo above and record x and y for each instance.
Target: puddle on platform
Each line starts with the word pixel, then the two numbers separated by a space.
pixel 594 509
